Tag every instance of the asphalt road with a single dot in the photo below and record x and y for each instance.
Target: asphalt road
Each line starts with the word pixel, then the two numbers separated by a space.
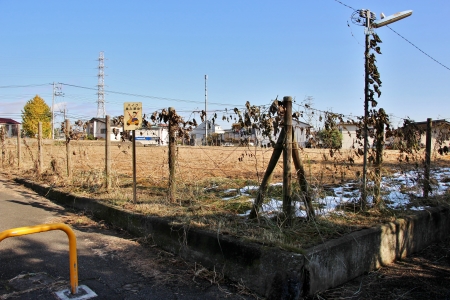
pixel 112 264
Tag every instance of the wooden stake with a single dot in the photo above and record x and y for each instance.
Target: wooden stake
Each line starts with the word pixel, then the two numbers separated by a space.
pixel 277 150
pixel 426 185
pixel 172 149
pixel 287 161
pixel 302 181
pixel 108 153
pixel 379 147
pixel 68 156
pixel 40 152
pixel 19 154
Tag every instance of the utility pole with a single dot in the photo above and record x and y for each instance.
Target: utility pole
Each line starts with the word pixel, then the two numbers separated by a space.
pixel 368 31
pixel 101 112
pixel 206 118
pixel 371 23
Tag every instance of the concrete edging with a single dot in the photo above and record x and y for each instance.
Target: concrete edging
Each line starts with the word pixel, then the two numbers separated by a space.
pixel 338 261
pixel 272 272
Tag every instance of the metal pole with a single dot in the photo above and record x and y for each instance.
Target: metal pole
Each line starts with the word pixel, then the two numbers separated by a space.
pixel 206 119
pixel 47 227
pixel 366 110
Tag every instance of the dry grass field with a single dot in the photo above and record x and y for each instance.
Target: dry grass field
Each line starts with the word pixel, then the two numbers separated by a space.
pixel 205 175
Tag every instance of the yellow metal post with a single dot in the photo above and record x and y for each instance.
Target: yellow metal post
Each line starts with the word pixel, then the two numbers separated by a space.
pixel 48 227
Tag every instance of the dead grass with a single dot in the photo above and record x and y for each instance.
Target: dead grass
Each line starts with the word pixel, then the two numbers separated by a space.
pixel 205 175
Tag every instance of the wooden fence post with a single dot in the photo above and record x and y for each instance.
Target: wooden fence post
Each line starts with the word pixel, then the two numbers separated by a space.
pixel 19 154
pixel 40 152
pixel 301 177
pixel 287 161
pixel 426 182
pixel 68 156
pixel 379 148
pixel 108 153
pixel 277 150
pixel 2 140
pixel 172 149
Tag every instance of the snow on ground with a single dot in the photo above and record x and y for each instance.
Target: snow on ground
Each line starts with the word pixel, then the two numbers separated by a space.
pixel 397 191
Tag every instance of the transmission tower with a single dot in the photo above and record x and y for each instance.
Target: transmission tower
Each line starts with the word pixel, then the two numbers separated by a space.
pixel 101 87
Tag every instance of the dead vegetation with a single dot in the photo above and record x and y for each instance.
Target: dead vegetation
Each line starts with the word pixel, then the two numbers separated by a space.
pixel 207 176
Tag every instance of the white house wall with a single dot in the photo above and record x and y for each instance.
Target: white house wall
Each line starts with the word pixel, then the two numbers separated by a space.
pixel 349 138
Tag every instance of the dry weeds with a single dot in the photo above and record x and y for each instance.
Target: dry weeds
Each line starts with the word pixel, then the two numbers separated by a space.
pixel 204 174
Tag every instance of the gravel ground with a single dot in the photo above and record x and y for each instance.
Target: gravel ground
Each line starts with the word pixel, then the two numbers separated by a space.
pixel 424 275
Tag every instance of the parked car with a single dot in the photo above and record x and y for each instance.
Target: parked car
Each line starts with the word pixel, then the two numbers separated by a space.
pixel 228 144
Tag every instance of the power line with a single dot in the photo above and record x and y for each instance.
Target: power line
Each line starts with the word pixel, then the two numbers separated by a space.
pixel 22 86
pixel 144 96
pixel 418 48
pixel 344 4
pixel 402 38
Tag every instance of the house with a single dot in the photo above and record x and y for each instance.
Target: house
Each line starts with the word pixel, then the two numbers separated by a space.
pixel 440 132
pixel 214 131
pixel 155 135
pixel 238 134
pixel 349 139
pixel 11 127
pixel 96 127
pixel 301 131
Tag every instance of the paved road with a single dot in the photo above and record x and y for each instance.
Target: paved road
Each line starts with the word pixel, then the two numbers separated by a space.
pixel 111 263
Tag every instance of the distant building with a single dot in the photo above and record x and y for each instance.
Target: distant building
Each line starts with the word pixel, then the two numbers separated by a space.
pixel 215 134
pixel 155 135
pixel 440 132
pixel 242 135
pixel 302 132
pixel 349 139
pixel 11 127
pixel 96 127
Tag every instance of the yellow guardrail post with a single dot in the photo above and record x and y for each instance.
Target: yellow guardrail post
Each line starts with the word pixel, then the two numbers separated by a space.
pixel 48 227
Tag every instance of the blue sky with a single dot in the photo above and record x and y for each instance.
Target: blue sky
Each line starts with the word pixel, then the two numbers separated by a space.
pixel 251 51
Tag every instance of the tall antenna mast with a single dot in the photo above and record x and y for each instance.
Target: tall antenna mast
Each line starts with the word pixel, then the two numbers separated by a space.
pixel 56 92
pixel 101 87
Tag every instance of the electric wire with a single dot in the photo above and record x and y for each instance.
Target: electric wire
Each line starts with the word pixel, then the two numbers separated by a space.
pixel 435 60
pixel 423 52
pixel 143 96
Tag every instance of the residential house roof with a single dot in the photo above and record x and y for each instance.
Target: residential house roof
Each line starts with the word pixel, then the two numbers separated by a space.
pixel 441 122
pixel 8 121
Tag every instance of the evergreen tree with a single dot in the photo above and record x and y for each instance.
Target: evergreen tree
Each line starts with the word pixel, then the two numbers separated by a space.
pixel 35 111
pixel 331 138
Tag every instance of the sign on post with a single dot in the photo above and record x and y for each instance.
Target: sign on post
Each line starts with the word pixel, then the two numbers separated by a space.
pixel 132 115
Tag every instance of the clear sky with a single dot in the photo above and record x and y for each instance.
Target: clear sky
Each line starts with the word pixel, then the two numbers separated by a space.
pixel 251 51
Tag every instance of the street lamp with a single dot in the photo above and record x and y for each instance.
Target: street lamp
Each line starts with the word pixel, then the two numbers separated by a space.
pixel 370 23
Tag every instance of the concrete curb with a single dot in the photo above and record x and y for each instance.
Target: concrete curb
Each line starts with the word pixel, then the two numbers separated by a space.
pixel 338 261
pixel 272 272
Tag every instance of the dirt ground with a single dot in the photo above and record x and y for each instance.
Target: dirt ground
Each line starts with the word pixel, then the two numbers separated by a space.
pixel 424 275
pixel 194 163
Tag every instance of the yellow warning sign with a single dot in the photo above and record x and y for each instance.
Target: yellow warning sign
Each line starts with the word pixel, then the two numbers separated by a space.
pixel 132 115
